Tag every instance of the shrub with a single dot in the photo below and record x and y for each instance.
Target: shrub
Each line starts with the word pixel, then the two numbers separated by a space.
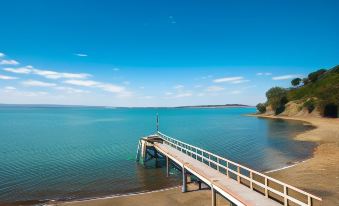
pixel 277 98
pixel 295 82
pixel 261 107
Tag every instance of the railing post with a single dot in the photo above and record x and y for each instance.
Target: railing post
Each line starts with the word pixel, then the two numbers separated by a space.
pixel 218 164
pixel 285 196
pixel 238 174
pixel 209 160
pixel 266 184
pixel 227 173
pixel 251 182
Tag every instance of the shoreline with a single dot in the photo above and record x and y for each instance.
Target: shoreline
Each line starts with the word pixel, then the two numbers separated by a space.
pixel 286 173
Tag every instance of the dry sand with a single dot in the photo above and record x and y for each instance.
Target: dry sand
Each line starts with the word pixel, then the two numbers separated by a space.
pixel 318 175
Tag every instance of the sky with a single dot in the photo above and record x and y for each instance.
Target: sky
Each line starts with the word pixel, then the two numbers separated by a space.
pixel 161 53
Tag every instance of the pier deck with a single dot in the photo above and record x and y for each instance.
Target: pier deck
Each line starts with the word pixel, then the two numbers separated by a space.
pixel 235 192
pixel 240 185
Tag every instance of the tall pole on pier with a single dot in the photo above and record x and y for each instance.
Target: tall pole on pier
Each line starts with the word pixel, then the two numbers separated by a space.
pixel 157 122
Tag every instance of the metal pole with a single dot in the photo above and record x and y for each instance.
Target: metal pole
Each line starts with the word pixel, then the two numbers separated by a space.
pixel 157 122
pixel 184 180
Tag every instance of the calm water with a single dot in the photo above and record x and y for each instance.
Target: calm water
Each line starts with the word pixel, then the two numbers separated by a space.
pixel 69 153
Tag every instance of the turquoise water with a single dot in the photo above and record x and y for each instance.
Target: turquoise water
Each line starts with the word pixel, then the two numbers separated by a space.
pixel 71 153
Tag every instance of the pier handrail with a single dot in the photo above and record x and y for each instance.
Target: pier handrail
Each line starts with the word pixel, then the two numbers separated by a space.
pixel 188 148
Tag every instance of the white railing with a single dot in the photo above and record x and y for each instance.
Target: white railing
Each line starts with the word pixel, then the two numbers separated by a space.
pixel 217 162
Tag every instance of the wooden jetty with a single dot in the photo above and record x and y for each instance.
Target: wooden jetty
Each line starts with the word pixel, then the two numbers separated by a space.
pixel 239 184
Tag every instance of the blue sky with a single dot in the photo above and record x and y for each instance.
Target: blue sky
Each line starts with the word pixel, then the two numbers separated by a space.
pixel 160 53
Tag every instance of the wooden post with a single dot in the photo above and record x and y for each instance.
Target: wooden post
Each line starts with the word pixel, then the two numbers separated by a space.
pixel 251 182
pixel 266 184
pixel 199 182
pixel 310 201
pixel 167 166
pixel 238 177
pixel 285 194
pixel 214 196
pixel 184 180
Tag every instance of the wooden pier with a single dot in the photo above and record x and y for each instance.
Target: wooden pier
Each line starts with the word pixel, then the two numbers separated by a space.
pixel 240 185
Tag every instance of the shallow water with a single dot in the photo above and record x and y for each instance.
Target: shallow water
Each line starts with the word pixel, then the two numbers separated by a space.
pixel 70 153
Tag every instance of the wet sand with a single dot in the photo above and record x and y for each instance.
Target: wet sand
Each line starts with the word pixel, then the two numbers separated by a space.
pixel 318 175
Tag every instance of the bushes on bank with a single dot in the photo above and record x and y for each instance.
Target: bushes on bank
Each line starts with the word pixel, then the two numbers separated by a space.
pixel 261 107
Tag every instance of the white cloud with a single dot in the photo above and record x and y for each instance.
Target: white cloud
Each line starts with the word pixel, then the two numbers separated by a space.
pixel 84 83
pixel 264 74
pixel 35 83
pixel 20 70
pixel 214 89
pixel 10 88
pixel 47 73
pixel 240 81
pixel 235 92
pixel 121 91
pixel 185 94
pixel 3 77
pixel 8 62
pixel 126 82
pixel 71 90
pixel 286 77
pixel 2 54
pixel 168 93
pixel 228 79
pixel 179 86
pixel 116 69
pixel 81 55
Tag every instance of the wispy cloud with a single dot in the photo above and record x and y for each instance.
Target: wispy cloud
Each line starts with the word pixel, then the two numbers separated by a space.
pixel 8 62
pixel 116 69
pixel 172 20
pixel 185 94
pixel 10 88
pixel 264 74
pixel 71 90
pixel 4 77
pixel 214 89
pixel 2 55
pixel 235 92
pixel 286 77
pixel 81 55
pixel 121 91
pixel 232 80
pixel 179 86
pixel 47 73
pixel 84 83
pixel 35 83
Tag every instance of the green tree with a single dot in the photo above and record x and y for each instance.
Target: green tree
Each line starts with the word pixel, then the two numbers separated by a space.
pixel 295 82
pixel 314 76
pixel 261 107
pixel 277 98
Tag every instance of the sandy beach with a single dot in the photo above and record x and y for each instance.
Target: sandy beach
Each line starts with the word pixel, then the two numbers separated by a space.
pixel 318 175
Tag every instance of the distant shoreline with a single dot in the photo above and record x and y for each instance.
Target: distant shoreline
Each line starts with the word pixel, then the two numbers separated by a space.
pixel 121 107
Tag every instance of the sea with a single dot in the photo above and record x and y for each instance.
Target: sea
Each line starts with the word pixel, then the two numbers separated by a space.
pixel 68 153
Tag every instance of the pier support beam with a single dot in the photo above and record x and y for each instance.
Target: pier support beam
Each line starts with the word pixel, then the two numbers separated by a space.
pixel 214 197
pixel 184 180
pixel 167 166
